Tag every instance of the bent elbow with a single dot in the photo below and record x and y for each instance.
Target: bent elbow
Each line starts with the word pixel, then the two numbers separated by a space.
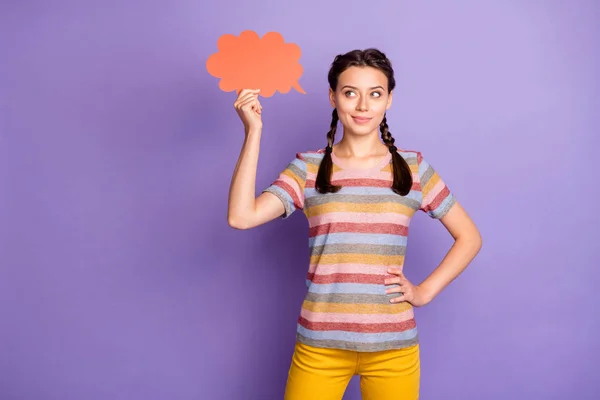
pixel 238 223
pixel 477 242
pixel 472 240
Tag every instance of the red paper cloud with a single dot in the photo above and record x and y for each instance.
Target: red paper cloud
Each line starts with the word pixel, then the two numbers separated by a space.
pixel 250 62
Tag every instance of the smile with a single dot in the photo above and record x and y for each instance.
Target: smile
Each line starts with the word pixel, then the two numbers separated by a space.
pixel 361 120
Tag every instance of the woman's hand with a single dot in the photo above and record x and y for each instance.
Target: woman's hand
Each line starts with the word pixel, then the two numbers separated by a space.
pixel 249 109
pixel 415 295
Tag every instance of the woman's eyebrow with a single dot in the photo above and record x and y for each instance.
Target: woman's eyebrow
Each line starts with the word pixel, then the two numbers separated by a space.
pixel 354 87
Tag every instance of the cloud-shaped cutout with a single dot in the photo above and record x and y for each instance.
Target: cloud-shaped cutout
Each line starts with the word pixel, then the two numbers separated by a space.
pixel 247 61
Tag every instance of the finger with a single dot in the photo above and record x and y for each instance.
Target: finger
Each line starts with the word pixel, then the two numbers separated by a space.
pixel 246 104
pixel 245 94
pixel 398 299
pixel 402 287
pixel 391 281
pixel 402 277
pixel 256 104
pixel 246 91
pixel 245 98
pixel 240 93
pixel 251 105
pixel 395 271
pixel 396 289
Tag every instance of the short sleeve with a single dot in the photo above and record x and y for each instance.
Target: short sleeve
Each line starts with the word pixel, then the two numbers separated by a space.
pixel 437 198
pixel 289 186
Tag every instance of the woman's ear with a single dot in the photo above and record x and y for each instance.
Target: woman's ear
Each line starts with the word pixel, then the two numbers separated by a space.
pixel 332 97
pixel 389 101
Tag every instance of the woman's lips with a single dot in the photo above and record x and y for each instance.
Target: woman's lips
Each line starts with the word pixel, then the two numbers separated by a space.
pixel 361 120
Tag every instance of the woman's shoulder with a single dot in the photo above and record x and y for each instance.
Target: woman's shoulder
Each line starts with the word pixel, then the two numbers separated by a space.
pixel 311 156
pixel 411 156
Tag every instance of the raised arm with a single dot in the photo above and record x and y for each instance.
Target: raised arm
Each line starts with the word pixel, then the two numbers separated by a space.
pixel 245 209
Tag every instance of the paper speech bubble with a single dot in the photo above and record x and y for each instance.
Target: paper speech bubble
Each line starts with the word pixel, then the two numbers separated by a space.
pixel 250 62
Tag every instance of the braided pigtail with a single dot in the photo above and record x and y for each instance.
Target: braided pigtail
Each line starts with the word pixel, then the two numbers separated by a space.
pixel 323 182
pixel 402 174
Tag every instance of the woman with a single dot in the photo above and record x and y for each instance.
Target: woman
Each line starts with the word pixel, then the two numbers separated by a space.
pixel 359 196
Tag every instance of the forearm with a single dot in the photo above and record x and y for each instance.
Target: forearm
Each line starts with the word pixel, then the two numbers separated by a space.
pixel 460 255
pixel 243 183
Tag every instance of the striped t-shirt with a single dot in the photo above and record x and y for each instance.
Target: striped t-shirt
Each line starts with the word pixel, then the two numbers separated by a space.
pixel 355 235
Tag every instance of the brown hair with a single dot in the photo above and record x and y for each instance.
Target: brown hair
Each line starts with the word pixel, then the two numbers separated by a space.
pixel 363 58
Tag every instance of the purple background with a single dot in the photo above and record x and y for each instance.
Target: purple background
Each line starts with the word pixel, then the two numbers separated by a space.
pixel 120 279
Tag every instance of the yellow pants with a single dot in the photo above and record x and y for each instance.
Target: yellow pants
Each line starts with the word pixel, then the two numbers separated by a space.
pixel 324 374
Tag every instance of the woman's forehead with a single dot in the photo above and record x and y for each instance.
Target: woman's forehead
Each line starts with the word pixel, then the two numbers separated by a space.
pixel 362 77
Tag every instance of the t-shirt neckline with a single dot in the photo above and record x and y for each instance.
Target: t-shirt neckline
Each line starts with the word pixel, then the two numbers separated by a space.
pixel 342 165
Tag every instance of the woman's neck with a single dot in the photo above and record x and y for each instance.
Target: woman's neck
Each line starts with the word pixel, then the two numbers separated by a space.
pixel 360 146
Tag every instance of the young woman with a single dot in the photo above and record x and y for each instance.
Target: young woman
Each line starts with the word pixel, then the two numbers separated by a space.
pixel 359 196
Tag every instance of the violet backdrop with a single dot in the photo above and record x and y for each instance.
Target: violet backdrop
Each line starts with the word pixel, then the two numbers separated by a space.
pixel 120 279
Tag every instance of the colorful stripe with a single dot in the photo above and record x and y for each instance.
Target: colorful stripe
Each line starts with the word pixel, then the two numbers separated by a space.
pixel 354 236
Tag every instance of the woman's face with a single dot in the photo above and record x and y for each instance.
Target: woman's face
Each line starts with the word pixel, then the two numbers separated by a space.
pixel 361 99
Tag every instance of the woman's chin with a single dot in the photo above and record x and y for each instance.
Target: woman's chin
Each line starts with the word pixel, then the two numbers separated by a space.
pixel 361 130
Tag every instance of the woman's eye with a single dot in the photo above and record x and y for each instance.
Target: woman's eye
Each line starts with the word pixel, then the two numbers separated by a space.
pixel 350 93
